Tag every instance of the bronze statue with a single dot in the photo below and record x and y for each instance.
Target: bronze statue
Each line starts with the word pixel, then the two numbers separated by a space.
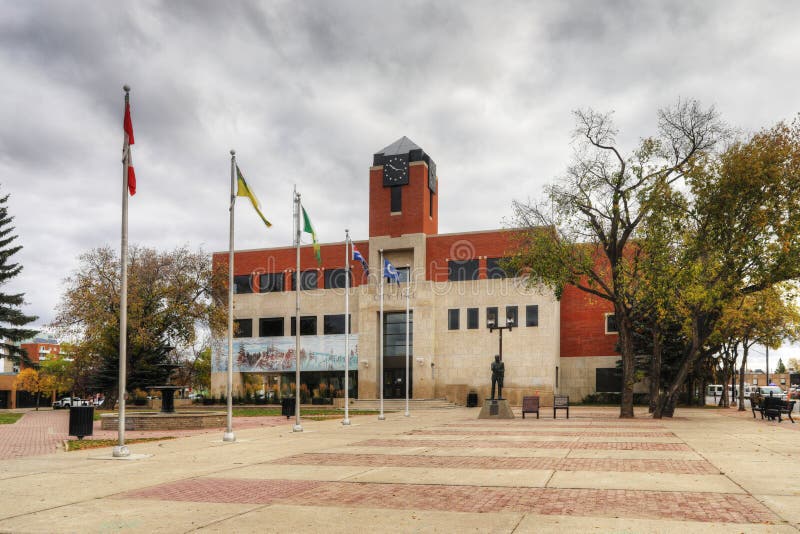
pixel 498 370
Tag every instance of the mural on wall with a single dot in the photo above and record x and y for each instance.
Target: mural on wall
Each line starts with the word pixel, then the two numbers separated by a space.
pixel 276 354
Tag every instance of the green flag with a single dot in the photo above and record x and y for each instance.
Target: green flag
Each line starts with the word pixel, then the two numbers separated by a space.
pixel 310 229
pixel 245 191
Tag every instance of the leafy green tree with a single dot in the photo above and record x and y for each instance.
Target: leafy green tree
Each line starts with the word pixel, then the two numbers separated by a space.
pixel 60 372
pixel 169 302
pixel 583 232
pixel 780 368
pixel 12 320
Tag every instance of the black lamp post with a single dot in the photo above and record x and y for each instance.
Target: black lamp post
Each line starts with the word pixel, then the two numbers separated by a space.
pixel 491 323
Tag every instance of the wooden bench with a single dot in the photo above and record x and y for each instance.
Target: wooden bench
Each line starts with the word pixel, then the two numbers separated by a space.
pixel 530 405
pixel 560 402
pixel 756 406
pixel 775 408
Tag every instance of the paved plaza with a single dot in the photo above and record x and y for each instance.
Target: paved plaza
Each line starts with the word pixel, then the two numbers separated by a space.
pixel 707 470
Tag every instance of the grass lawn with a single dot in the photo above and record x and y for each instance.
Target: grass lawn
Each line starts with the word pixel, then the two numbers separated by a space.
pixel 81 444
pixel 10 418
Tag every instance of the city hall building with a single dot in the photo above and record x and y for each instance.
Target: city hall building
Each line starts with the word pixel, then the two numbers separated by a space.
pixel 457 287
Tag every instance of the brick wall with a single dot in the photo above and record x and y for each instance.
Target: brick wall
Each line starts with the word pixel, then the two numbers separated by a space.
pixel 472 245
pixel 583 325
pixel 415 216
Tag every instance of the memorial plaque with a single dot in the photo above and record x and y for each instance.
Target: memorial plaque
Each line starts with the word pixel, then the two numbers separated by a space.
pixel 494 409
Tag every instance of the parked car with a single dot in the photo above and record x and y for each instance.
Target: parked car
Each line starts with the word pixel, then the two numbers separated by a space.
pixel 774 391
pixel 68 402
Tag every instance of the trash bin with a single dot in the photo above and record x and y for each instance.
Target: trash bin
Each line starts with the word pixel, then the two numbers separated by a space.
pixel 472 399
pixel 81 421
pixel 287 406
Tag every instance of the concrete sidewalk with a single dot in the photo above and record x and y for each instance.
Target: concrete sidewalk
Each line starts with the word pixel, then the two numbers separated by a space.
pixel 436 471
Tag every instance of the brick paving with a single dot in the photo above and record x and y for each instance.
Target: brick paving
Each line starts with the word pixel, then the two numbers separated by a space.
pixel 497 444
pixel 552 424
pixel 470 434
pixel 44 432
pixel 36 433
pixel 686 506
pixel 691 467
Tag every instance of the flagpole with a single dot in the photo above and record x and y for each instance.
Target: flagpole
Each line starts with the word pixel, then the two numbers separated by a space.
pixel 408 297
pixel 346 328
pixel 297 426
pixel 229 435
pixel 381 417
pixel 121 450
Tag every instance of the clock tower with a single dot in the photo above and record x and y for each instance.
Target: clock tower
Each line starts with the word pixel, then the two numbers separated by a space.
pixel 403 191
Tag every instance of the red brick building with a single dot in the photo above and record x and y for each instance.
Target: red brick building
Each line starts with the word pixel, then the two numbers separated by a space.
pixel 457 286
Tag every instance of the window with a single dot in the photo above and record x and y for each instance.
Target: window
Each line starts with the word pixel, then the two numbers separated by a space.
pixel 611 324
pixel 241 284
pixel 242 328
pixel 472 318
pixel 491 315
pixel 511 315
pixel 308 280
pixel 608 380
pixel 397 199
pixel 334 324
pixel 308 325
pixel 493 268
pixel 270 326
pixel 755 381
pixel 337 278
pixel 270 282
pixel 394 334
pixel 453 319
pixel 532 315
pixel 462 270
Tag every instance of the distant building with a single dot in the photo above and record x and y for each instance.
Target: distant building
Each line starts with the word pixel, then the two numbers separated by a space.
pixel 458 286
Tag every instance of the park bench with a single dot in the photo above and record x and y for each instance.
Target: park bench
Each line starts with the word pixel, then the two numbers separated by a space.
pixel 775 408
pixel 756 406
pixel 560 402
pixel 530 405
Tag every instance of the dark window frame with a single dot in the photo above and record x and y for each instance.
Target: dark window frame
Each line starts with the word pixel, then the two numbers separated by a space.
pixel 459 270
pixel 242 284
pixel 394 334
pixel 396 201
pixel 271 282
pixel 262 321
pixel 454 319
pixel 243 331
pixel 330 324
pixel 532 315
pixel 336 278
pixel 306 328
pixel 304 278
pixel 513 310
pixel 608 380
pixel 493 269
pixel 610 325
pixel 473 318
pixel 492 311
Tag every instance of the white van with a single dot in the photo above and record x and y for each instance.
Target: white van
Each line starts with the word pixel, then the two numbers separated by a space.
pixel 714 390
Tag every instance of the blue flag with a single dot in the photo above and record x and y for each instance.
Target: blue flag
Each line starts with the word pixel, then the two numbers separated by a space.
pixel 390 272
pixel 358 257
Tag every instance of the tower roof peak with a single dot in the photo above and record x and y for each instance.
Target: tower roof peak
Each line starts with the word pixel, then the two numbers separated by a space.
pixel 404 145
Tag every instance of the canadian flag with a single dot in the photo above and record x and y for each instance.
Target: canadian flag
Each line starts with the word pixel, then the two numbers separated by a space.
pixel 127 125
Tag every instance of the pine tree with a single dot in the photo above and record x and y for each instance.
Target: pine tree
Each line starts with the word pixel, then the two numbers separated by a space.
pixel 11 317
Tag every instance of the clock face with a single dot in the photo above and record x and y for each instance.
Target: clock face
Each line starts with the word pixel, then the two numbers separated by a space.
pixel 432 176
pixel 395 170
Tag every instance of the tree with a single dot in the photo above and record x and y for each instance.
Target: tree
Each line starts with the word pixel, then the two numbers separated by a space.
pixel 780 368
pixel 740 235
pixel 169 301
pixel 793 364
pixel 583 233
pixel 60 372
pixel 35 383
pixel 11 318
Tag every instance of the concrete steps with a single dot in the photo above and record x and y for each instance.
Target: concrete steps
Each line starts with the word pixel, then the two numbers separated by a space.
pixel 400 404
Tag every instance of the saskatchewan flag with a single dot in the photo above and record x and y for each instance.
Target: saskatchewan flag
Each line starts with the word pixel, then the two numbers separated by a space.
pixel 244 190
pixel 310 229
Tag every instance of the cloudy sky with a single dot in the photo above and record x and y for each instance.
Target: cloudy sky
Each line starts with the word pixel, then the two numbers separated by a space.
pixel 306 92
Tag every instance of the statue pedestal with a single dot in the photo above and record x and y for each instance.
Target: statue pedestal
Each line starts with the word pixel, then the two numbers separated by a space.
pixel 496 409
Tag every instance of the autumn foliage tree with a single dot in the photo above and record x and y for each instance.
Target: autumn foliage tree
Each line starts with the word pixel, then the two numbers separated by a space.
pixel 169 303
pixel 34 382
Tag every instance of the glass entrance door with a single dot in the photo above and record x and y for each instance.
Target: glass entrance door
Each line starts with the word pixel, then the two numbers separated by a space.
pixel 394 383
